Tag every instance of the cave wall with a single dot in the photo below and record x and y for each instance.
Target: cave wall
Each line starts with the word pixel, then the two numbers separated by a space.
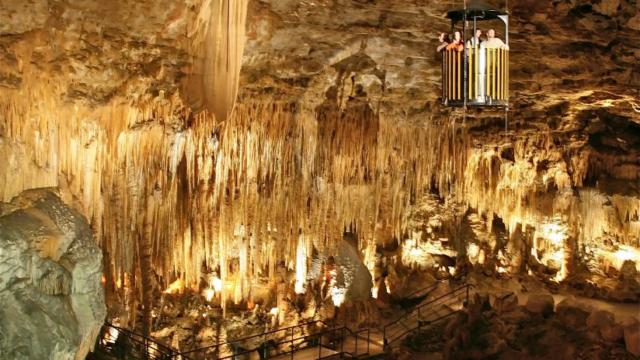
pixel 337 125
pixel 51 296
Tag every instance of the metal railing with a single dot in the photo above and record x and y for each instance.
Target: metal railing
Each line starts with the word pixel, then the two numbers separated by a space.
pixel 330 342
pixel 126 344
pixel 231 348
pixel 425 291
pixel 425 314
pixel 287 341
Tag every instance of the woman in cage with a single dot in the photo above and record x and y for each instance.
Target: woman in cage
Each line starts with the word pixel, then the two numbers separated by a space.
pixel 457 43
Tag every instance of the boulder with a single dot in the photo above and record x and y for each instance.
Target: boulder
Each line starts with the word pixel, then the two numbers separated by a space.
pixel 612 333
pixel 600 319
pixel 496 344
pixel 632 338
pixel 571 315
pixel 51 298
pixel 540 304
pixel 602 322
pixel 629 271
pixel 505 303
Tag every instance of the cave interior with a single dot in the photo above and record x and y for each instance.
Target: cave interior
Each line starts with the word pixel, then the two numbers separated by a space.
pixel 307 179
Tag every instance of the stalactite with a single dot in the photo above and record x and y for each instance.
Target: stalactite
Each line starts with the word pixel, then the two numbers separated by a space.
pixel 272 180
pixel 217 43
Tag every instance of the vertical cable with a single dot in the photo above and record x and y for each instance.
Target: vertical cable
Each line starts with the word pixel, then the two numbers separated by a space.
pixel 506 109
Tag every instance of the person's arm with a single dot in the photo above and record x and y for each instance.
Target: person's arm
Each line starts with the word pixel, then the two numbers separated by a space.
pixel 442 46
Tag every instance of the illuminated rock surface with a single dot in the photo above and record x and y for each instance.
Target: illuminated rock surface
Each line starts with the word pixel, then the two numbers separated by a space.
pixel 337 125
pixel 51 299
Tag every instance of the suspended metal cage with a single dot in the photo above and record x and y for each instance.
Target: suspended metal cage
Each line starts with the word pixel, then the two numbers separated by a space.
pixel 479 74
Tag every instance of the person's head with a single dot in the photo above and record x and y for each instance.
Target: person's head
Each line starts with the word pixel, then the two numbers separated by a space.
pixel 443 37
pixel 478 33
pixel 491 34
pixel 456 36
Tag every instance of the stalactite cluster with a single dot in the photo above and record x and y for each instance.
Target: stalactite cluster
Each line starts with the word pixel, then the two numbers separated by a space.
pixel 187 194
pixel 202 191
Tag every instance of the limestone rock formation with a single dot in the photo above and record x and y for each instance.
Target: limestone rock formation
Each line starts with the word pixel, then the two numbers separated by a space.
pixel 51 298
pixel 338 123
pixel 540 304
pixel 632 338
pixel 483 332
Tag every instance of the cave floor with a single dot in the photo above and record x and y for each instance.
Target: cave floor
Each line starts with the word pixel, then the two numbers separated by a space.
pixel 623 312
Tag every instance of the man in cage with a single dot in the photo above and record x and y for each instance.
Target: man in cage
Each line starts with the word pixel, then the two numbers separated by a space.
pixel 476 40
pixel 493 42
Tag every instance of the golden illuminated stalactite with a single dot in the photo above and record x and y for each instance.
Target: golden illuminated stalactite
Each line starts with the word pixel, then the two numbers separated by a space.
pixel 217 44
pixel 290 178
pixel 511 190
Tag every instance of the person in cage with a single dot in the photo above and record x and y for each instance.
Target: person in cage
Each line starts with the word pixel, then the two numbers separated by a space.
pixel 444 42
pixel 493 42
pixel 456 44
pixel 476 40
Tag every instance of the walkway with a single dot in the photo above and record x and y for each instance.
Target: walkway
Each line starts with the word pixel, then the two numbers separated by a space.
pixel 298 342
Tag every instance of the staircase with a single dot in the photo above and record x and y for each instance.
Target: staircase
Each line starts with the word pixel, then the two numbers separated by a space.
pixel 302 341
pixel 311 340
pixel 426 314
pixel 118 343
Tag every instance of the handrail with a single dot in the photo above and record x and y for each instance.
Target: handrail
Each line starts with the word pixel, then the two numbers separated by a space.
pixel 406 314
pixel 430 288
pixel 417 310
pixel 132 334
pixel 264 335
pixel 398 336
pixel 318 336
pixel 309 340
pixel 152 349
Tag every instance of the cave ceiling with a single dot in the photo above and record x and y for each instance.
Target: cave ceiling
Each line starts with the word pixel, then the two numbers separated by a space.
pixel 571 61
